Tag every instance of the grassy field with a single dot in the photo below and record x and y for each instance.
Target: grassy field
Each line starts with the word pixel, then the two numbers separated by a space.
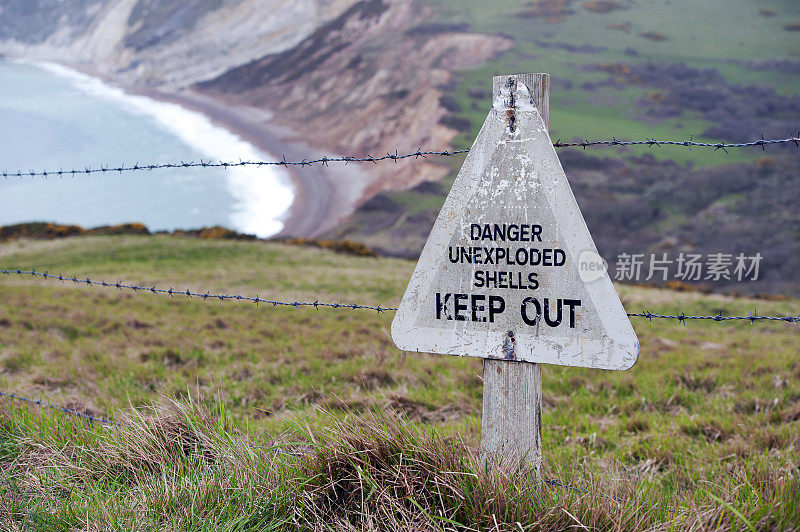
pixel 716 34
pixel 707 422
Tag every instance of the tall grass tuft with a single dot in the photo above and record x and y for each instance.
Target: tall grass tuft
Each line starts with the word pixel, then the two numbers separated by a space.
pixel 181 465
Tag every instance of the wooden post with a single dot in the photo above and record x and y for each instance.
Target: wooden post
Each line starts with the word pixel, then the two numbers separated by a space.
pixel 511 429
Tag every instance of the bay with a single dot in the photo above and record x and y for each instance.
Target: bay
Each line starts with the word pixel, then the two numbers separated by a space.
pixel 56 118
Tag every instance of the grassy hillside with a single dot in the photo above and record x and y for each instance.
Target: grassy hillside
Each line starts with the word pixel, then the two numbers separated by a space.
pixel 708 419
pixel 720 71
pixel 577 41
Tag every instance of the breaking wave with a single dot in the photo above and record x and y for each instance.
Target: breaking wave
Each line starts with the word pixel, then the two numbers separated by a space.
pixel 262 195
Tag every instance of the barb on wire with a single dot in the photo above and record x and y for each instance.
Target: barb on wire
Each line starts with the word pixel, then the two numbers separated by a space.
pixel 325 161
pixel 681 317
pixel 71 412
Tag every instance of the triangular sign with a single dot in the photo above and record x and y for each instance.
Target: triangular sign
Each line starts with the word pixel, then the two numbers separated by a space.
pixel 510 270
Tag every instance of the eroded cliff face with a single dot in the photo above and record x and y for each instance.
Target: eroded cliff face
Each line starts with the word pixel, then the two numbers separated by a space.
pixel 167 44
pixel 366 82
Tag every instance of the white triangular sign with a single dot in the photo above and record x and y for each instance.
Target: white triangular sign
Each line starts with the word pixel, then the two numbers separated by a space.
pixel 510 270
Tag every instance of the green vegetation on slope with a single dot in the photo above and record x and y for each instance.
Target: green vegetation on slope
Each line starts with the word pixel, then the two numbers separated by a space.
pixel 721 35
pixel 633 69
pixel 709 412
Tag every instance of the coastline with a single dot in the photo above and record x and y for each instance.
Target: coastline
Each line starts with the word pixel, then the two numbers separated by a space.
pixel 324 195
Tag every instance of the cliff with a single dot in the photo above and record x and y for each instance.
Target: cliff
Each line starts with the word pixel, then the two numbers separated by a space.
pixel 168 44
pixel 371 80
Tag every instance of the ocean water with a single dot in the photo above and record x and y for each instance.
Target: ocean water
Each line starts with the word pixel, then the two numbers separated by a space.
pixel 52 117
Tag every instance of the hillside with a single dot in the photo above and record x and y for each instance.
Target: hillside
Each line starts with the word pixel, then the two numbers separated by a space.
pixel 158 43
pixel 709 413
pixel 635 70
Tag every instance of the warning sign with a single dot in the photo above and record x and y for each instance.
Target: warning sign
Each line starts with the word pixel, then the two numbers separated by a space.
pixel 510 270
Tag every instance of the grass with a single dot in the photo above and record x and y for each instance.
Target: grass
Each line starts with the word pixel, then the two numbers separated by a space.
pixel 708 420
pixel 693 30
pixel 182 466
pixel 713 34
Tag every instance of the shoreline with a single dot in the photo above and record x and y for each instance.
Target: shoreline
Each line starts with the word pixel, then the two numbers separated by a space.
pixel 323 195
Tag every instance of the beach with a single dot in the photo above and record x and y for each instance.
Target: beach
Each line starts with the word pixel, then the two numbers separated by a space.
pixel 266 201
pixel 324 195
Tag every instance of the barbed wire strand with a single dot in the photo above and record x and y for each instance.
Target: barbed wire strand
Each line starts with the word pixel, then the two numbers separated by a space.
pixel 70 411
pixel 190 294
pixel 396 156
pixel 280 449
pixel 681 317
pixel 762 143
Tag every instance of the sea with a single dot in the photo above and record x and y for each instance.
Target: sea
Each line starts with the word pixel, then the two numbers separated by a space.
pixel 52 118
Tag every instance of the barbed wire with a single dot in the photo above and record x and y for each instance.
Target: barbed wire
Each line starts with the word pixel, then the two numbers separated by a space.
pixel 281 450
pixel 324 161
pixel 681 317
pixel 762 142
pixel 70 411
pixel 396 156
pixel 190 294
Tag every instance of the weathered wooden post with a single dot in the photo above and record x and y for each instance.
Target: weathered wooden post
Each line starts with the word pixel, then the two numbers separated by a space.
pixel 511 427
pixel 510 274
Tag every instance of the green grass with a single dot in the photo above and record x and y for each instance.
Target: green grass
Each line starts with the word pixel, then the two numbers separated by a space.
pixel 726 29
pixel 182 466
pixel 414 202
pixel 708 418
pixel 713 34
